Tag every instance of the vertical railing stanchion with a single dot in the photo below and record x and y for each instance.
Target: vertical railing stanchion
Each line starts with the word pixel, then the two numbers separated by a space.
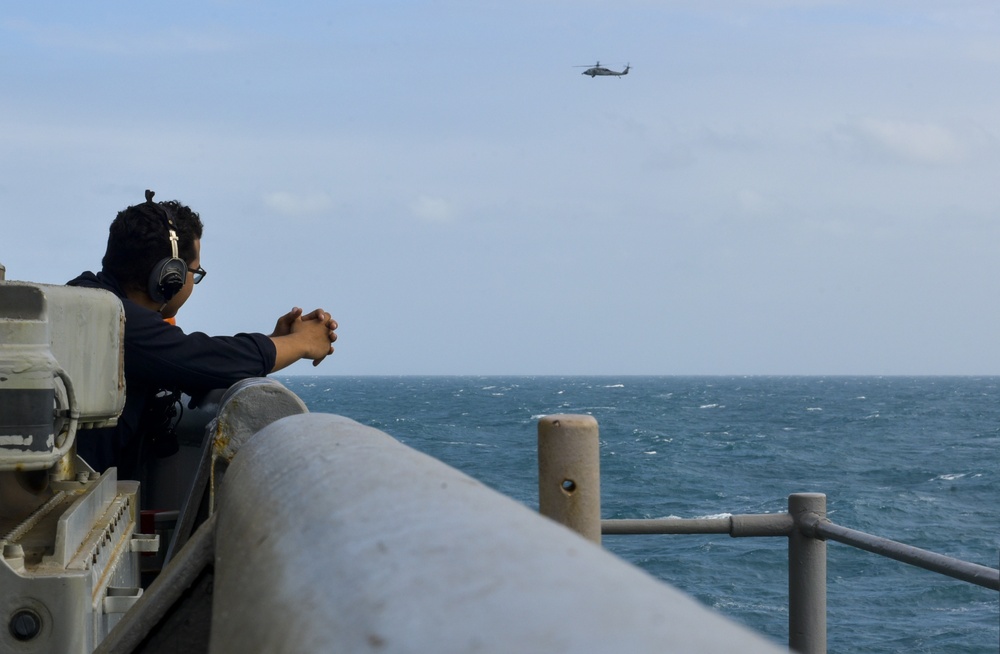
pixel 806 575
pixel 569 473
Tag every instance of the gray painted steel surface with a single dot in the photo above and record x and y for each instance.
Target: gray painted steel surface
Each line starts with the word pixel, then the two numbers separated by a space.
pixel 73 566
pixel 247 407
pixel 150 609
pixel 61 345
pixel 333 536
pixel 69 568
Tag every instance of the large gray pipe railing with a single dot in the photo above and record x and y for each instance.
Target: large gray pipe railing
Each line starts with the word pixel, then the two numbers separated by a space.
pixel 568 461
pixel 333 536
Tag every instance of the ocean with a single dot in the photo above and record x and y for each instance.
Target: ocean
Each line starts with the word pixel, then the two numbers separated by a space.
pixel 915 460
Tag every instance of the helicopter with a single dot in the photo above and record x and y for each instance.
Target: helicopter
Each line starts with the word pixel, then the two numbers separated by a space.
pixel 598 69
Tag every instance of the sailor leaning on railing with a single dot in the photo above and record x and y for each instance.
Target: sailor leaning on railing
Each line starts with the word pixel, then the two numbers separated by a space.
pixel 153 262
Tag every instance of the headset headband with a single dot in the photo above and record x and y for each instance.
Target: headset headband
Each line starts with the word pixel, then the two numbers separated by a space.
pixel 166 219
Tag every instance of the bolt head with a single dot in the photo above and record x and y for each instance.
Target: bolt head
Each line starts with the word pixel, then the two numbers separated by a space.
pixel 25 625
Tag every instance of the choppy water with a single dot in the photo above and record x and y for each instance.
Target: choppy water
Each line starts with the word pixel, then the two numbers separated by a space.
pixel 912 459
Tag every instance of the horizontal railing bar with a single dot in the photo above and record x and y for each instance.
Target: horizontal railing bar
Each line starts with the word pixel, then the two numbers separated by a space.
pixel 762 524
pixel 766 524
pixel 781 524
pixel 666 526
pixel 946 565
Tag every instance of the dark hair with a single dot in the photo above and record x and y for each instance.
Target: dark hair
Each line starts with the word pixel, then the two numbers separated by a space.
pixel 138 239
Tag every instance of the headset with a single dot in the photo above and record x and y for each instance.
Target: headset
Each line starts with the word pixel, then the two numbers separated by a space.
pixel 168 275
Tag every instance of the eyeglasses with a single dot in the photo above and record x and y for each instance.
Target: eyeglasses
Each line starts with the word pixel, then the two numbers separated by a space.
pixel 199 274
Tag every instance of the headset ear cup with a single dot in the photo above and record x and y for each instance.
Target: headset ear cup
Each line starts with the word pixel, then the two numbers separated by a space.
pixel 167 279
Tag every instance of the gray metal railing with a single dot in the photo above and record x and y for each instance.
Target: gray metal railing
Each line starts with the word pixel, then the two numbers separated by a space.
pixel 781 524
pixel 576 469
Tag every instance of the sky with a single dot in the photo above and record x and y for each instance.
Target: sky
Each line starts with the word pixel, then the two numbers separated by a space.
pixel 776 188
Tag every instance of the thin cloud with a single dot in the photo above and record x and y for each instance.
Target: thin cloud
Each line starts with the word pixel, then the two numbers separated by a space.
pixel 433 210
pixel 912 142
pixel 298 204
